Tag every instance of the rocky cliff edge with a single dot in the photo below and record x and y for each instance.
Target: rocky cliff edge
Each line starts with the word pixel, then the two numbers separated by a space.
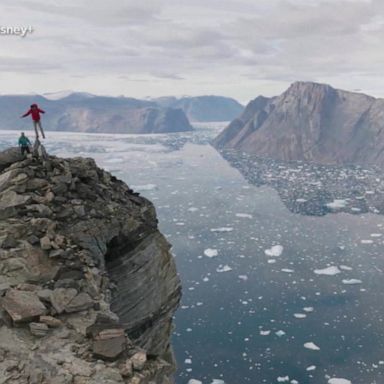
pixel 88 286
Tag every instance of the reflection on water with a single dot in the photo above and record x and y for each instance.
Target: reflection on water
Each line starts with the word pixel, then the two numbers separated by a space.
pixel 269 295
pixel 312 189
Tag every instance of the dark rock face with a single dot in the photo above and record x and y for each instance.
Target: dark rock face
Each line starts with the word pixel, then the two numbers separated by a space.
pixel 204 108
pixel 84 113
pixel 312 122
pixel 85 270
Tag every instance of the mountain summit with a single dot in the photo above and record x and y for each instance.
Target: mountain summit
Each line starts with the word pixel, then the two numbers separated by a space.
pixel 312 122
pixel 88 286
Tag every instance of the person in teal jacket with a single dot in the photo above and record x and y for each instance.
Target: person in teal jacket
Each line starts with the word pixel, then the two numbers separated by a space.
pixel 24 144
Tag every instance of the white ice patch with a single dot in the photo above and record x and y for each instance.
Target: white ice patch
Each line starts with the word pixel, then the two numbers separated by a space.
pixel 329 271
pixel 244 215
pixel 300 315
pixel 222 229
pixel 243 277
pixel 280 333
pixel 274 251
pixel 312 346
pixel 337 204
pixel 366 241
pixel 218 381
pixel 223 268
pixel 188 361
pixel 193 209
pixel 308 309
pixel 283 379
pixel 193 381
pixel 286 270
pixel 265 333
pixel 339 381
pixel 345 268
pixel 145 187
pixel 209 252
pixel 301 200
pixel 352 281
pixel 311 368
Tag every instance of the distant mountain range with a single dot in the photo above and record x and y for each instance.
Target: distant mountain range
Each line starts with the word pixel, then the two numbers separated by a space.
pixel 311 122
pixel 204 108
pixel 83 112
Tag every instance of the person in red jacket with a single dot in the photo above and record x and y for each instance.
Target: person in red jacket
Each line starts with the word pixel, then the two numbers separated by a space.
pixel 35 114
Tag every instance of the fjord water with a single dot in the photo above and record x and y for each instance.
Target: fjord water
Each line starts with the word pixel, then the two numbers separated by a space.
pixel 269 295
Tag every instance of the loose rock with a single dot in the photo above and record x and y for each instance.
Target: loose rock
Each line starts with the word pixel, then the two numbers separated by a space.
pixel 23 306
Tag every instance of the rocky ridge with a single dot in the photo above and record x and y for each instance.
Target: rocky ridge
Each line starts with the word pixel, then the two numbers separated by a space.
pixel 88 286
pixel 311 122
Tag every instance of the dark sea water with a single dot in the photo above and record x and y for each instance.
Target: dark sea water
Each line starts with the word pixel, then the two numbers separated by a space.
pixel 282 265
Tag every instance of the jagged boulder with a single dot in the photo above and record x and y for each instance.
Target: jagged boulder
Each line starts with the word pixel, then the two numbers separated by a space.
pixel 22 306
pixel 9 156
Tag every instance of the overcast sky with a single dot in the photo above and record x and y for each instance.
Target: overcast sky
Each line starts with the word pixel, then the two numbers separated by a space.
pixel 238 48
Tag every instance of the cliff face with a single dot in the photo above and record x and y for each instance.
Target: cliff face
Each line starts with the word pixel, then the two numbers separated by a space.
pixel 88 113
pixel 88 286
pixel 204 108
pixel 312 122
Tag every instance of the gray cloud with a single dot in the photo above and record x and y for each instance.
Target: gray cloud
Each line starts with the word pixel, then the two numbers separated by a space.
pixel 233 47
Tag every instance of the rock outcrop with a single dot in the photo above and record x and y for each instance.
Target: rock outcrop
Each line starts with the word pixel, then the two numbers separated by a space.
pixel 311 122
pixel 89 113
pixel 204 108
pixel 88 286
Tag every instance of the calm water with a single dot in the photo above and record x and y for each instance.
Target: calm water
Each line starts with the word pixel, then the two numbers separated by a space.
pixel 272 293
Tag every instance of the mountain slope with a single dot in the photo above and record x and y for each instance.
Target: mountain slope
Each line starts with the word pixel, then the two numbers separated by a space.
pixel 87 113
pixel 204 108
pixel 312 122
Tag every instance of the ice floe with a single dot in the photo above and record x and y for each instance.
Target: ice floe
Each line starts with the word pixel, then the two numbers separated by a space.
pixel 223 268
pixel 222 229
pixel 244 215
pixel 337 204
pixel 210 252
pixel 274 251
pixel 328 271
pixel 339 381
pixel 312 346
pixel 144 187
pixel 352 281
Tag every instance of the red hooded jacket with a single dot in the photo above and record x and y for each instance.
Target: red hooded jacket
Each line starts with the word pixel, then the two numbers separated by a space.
pixel 35 111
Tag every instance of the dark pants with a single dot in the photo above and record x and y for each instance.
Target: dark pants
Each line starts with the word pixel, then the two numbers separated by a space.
pixel 25 148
